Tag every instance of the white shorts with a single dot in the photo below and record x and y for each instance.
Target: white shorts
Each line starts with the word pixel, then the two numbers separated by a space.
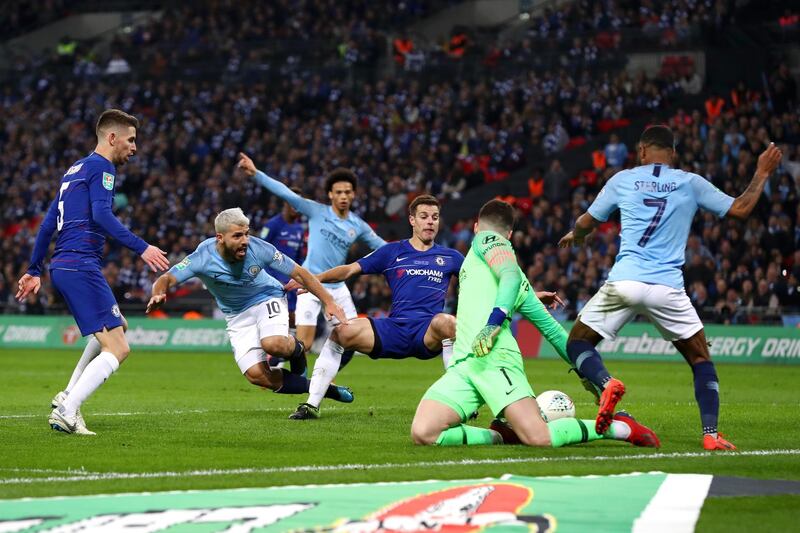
pixel 618 302
pixel 309 306
pixel 245 330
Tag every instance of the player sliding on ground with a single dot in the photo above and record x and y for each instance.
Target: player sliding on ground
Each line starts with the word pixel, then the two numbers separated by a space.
pixel 81 213
pixel 332 230
pixel 657 205
pixel 418 271
pixel 233 266
pixel 487 365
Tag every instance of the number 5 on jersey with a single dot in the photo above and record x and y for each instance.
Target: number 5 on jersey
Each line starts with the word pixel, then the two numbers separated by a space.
pixel 60 217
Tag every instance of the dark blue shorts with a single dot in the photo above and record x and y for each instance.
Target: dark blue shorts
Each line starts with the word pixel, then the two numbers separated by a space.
pixel 291 300
pixel 400 338
pixel 89 299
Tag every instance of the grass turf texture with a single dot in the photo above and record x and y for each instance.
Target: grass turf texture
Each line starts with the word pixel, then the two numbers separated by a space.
pixel 194 412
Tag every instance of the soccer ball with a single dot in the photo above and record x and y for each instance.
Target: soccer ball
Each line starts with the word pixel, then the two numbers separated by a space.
pixel 554 404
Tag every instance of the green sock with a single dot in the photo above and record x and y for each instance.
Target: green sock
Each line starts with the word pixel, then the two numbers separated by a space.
pixel 464 434
pixel 566 431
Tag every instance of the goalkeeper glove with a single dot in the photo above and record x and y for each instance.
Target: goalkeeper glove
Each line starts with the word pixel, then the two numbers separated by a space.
pixel 484 340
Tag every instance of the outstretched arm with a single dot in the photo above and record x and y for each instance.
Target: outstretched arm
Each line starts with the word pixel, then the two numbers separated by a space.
pixel 160 288
pixel 768 161
pixel 533 309
pixel 585 225
pixel 302 205
pixel 307 280
pixel 339 273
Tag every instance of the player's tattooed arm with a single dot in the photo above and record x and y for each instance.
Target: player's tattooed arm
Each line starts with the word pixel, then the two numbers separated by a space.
pixel 768 161
pixel 160 288
pixel 585 225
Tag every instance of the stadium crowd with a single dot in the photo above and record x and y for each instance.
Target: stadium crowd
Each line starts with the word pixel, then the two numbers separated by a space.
pixel 402 138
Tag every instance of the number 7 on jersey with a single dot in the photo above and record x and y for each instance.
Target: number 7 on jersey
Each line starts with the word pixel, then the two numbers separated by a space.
pixel 661 205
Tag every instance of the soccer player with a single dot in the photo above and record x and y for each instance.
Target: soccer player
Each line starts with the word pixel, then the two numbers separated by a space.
pixel 657 204
pixel 418 272
pixel 233 266
pixel 81 213
pixel 332 230
pixel 487 365
pixel 285 232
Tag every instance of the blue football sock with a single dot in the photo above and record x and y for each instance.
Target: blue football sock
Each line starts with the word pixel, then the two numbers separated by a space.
pixel 588 361
pixel 347 355
pixel 706 392
pixel 293 383
pixel 297 361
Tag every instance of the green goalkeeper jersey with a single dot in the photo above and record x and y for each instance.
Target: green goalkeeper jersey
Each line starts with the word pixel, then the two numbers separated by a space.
pixel 490 258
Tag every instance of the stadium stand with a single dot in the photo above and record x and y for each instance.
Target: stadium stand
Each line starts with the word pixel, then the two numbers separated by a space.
pixel 209 80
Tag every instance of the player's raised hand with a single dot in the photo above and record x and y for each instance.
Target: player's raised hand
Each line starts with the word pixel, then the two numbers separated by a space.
pixel 156 301
pixel 550 299
pixel 246 164
pixel 28 284
pixel 155 258
pixel 334 310
pixel 567 241
pixel 484 340
pixel 769 160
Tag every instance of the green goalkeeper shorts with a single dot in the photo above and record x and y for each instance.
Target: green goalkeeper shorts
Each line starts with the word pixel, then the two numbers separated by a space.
pixel 469 384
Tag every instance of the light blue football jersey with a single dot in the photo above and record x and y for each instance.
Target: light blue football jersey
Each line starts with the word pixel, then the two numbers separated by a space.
pixel 329 237
pixel 657 205
pixel 236 286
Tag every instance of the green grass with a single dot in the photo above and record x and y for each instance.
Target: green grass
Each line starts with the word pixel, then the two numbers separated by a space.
pixel 195 412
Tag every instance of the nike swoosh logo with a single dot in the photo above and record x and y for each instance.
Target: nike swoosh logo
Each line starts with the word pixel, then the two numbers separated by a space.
pixel 400 259
pixel 217 276
pixel 512 390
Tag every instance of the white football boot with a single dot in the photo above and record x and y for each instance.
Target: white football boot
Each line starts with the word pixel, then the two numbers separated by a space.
pixel 80 426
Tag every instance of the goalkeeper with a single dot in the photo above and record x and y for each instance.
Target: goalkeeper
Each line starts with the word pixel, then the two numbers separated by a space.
pixel 487 367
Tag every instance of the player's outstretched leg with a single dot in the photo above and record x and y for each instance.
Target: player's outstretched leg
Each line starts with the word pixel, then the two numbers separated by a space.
pixel 583 354
pixel 706 388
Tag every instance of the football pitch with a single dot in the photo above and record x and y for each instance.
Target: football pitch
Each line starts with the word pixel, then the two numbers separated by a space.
pixel 179 421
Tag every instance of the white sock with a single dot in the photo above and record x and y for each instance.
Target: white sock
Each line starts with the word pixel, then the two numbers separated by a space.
pixel 447 351
pixel 91 351
pixel 618 430
pixel 325 370
pixel 93 376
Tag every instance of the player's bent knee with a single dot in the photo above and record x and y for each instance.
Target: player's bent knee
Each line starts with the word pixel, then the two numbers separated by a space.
pixel 444 325
pixel 534 438
pixel 276 345
pixel 423 435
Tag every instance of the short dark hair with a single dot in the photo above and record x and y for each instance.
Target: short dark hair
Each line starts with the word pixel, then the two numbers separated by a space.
pixel 115 117
pixel 423 199
pixel 660 136
pixel 498 214
pixel 338 175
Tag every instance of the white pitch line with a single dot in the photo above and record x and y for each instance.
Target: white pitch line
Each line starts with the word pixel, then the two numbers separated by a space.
pixel 170 412
pixel 388 466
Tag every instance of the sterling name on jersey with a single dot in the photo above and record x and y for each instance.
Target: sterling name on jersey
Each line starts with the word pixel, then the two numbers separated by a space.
pixel 418 280
pixel 240 285
pixel 329 237
pixel 657 205
pixel 81 213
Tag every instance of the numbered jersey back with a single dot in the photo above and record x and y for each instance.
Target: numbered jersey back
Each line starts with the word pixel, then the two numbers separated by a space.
pixel 657 205
pixel 80 241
